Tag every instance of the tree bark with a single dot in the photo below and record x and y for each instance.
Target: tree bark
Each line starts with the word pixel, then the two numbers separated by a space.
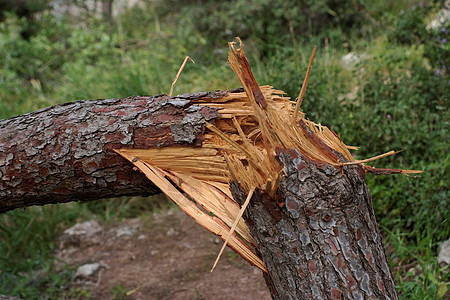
pixel 318 236
pixel 64 153
pixel 319 239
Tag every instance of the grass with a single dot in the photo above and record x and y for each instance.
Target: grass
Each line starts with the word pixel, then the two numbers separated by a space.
pixel 28 243
pixel 29 240
pixel 412 211
pixel 391 99
pixel 416 271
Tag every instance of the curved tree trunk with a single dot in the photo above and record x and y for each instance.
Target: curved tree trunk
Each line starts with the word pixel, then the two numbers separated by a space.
pixel 321 241
pixel 64 153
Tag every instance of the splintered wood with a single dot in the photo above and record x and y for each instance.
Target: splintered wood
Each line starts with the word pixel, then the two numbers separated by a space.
pixel 240 146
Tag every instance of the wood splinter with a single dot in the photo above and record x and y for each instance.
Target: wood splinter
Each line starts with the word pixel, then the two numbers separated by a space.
pixel 238 218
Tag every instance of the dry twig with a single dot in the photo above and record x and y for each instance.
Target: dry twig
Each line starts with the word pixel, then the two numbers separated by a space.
pixel 304 86
pixel 179 72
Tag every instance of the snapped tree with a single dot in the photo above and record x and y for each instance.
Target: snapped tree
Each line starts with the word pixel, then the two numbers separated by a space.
pixel 309 222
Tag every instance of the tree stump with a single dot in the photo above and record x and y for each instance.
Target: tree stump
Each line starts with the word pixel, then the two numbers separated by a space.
pixel 319 238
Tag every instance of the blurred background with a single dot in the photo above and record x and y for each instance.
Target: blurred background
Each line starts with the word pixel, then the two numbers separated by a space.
pixel 380 80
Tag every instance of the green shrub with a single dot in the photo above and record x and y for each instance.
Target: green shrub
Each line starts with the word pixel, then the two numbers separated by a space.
pixel 392 99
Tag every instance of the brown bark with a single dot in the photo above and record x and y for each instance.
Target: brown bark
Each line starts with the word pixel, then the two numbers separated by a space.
pixel 317 236
pixel 319 239
pixel 64 153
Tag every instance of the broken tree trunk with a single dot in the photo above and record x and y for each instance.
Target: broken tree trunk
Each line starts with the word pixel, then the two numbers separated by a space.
pixel 310 226
pixel 323 243
pixel 311 220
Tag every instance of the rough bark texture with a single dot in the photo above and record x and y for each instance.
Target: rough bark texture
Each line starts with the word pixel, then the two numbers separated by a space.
pixel 319 239
pixel 64 153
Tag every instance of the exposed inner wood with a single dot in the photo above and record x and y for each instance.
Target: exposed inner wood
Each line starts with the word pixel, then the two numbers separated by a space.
pixel 241 146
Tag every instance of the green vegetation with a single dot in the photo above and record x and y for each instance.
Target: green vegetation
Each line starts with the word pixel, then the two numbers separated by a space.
pixel 395 95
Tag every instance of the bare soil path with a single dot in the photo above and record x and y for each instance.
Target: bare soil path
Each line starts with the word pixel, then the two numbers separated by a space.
pixel 163 256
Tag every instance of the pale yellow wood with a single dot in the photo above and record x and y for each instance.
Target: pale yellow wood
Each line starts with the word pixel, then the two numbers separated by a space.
pixel 240 146
pixel 235 224
pixel 220 205
pixel 212 223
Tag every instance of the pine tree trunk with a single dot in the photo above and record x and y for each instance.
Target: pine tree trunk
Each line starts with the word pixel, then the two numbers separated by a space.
pixel 318 236
pixel 64 153
pixel 319 239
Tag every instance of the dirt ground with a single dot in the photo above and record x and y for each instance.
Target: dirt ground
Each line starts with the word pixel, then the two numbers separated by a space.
pixel 163 256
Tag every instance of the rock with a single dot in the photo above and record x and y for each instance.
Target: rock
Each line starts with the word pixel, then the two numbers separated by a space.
pixel 5 297
pixel 87 228
pixel 171 232
pixel 440 18
pixel 80 232
pixel 87 270
pixel 187 245
pixel 444 253
pixel 351 59
pixel 126 231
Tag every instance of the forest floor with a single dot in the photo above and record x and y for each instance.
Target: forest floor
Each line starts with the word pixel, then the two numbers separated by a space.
pixel 160 256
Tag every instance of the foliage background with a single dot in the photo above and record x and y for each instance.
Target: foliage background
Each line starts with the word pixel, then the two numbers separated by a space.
pixel 393 94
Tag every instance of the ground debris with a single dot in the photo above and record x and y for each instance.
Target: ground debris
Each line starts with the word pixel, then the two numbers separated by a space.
pixel 87 270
